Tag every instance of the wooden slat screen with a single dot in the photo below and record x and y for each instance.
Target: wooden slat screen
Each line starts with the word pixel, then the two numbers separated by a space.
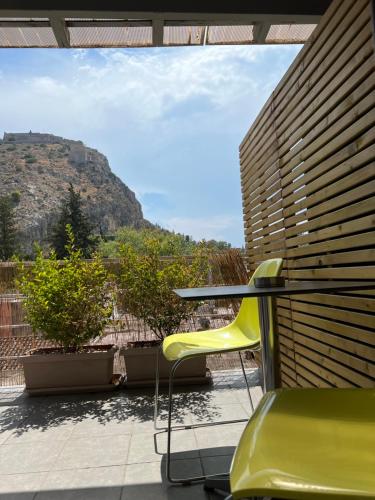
pixel 308 184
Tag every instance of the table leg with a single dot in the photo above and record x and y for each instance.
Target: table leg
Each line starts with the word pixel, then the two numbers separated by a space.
pixel 267 342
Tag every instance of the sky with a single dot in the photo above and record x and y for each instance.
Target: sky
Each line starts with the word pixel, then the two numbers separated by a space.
pixel 169 120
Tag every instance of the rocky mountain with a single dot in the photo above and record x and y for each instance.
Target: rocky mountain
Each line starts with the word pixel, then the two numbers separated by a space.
pixel 40 167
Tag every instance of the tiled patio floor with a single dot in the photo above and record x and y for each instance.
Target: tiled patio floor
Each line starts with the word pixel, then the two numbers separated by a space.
pixel 103 446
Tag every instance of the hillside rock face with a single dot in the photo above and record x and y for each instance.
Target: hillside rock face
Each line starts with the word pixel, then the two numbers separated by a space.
pixel 40 168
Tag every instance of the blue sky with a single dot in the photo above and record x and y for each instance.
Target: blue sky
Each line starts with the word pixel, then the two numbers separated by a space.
pixel 169 120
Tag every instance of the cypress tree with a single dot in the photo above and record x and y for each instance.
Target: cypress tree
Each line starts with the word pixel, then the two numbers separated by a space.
pixel 72 213
pixel 8 232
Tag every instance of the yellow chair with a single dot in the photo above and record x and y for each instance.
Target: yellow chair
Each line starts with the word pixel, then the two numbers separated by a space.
pixel 308 444
pixel 242 333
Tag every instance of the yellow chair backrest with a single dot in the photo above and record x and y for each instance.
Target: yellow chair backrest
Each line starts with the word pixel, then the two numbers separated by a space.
pixel 247 319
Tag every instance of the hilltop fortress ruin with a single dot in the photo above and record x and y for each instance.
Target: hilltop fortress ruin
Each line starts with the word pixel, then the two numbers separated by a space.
pixel 78 152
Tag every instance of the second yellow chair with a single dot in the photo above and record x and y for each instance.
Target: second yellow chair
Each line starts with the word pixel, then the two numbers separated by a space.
pixel 242 333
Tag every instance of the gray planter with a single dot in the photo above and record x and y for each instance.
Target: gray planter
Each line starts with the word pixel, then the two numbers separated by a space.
pixel 140 368
pixel 72 372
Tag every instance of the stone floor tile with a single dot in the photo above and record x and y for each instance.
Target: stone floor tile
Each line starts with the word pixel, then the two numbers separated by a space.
pixel 183 443
pixel 222 413
pixel 151 447
pixel 4 435
pixel 97 451
pixel 25 434
pixel 256 394
pixel 29 457
pixel 224 396
pixel 88 428
pixel 20 486
pixel 216 465
pixel 218 440
pixel 148 482
pixel 91 483
pixel 148 427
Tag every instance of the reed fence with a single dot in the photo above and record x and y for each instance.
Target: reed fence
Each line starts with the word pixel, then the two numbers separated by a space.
pixel 17 338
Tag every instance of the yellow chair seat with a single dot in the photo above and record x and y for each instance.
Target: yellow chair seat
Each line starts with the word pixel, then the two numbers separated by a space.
pixel 308 444
pixel 228 338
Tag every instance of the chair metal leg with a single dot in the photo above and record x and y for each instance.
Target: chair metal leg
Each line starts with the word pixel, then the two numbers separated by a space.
pixel 187 480
pixel 156 397
pixel 247 383
pixel 222 478
pixel 191 426
pixel 217 478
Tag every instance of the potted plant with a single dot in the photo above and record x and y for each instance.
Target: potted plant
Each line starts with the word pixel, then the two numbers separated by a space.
pixel 69 302
pixel 146 284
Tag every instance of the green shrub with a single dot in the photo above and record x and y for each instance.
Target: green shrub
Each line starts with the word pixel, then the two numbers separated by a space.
pixel 168 240
pixel 146 285
pixel 31 159
pixel 15 197
pixel 69 301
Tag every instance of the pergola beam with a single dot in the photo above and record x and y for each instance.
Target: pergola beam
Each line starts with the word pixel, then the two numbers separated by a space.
pixel 60 31
pixel 157 32
pixel 263 7
pixel 191 18
pixel 260 32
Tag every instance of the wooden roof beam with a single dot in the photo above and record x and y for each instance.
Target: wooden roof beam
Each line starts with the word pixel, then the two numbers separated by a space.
pixel 157 32
pixel 260 32
pixel 290 8
pixel 60 31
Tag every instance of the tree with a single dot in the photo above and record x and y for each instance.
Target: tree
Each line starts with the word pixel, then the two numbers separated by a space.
pixel 72 214
pixel 146 285
pixel 169 242
pixel 8 232
pixel 69 301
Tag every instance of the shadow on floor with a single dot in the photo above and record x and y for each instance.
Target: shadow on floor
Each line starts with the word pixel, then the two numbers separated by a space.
pixel 23 413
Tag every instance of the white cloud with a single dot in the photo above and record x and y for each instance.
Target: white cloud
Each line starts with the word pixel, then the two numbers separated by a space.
pixel 141 87
pixel 47 86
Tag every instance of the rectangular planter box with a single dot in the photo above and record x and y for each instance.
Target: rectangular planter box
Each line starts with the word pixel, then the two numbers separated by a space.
pixel 49 373
pixel 140 368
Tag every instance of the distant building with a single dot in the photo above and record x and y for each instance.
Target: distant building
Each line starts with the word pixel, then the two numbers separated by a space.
pixel 77 151
pixel 31 138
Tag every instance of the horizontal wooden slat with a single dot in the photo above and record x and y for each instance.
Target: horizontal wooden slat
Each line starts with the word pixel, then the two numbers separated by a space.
pixel 335 340
pixel 340 301
pixel 308 185
pixel 335 366
pixel 321 371
pixel 350 257
pixel 293 82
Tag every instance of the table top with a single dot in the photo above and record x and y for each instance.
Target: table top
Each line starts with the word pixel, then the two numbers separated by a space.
pixel 290 288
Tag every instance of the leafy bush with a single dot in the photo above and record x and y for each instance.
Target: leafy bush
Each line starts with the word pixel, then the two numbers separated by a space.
pixel 15 197
pixel 169 241
pixel 31 160
pixel 146 285
pixel 69 301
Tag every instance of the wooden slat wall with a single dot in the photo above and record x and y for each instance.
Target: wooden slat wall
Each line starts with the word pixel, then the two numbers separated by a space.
pixel 308 184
